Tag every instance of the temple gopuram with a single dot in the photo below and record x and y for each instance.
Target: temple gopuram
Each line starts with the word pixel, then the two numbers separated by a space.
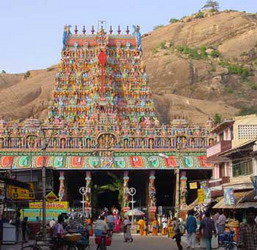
pixel 102 122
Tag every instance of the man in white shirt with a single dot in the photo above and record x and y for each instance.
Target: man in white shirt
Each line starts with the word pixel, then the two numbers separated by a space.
pixel 221 223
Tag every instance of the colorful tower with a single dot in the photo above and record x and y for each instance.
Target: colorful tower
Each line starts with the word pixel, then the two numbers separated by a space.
pixel 102 80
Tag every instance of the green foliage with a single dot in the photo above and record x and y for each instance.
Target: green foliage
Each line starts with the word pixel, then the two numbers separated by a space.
pixel 27 74
pixel 217 118
pixel 244 110
pixel 155 50
pixel 3 72
pixel 236 69
pixel 197 53
pixel 158 27
pixel 163 45
pixel 252 85
pixel 215 53
pixel 115 186
pixel 200 14
pixel 229 89
pixel 210 4
pixel 174 20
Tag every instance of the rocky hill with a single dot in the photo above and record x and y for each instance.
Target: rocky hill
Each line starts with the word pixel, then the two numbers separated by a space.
pixel 197 66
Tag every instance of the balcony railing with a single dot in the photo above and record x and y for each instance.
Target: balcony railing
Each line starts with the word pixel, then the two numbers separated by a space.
pixel 219 147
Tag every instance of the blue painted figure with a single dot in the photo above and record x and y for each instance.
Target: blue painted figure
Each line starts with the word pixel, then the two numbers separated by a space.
pixel 66 34
pixel 137 34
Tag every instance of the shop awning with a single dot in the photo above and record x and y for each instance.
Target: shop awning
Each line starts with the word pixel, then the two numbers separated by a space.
pixel 13 182
pixel 238 196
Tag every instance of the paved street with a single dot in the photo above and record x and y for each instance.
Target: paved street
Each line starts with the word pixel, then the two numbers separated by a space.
pixel 140 243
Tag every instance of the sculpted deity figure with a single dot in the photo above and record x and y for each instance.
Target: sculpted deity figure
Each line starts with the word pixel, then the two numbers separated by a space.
pixel 137 34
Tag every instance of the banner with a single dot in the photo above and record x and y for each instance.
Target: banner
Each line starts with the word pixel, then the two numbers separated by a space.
pixel 50 205
pixel 207 192
pixel 17 193
pixel 193 185
pixel 200 195
pixel 32 214
pixel 229 196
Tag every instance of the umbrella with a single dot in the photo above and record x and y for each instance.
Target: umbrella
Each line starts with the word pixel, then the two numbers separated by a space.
pixel 135 212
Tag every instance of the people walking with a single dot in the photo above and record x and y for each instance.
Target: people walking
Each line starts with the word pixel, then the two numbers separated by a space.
pixel 221 223
pixel 100 226
pixel 142 226
pixel 164 225
pixel 207 229
pixel 155 227
pixel 248 232
pixel 24 229
pixel 177 237
pixel 191 227
pixel 110 222
pixel 127 230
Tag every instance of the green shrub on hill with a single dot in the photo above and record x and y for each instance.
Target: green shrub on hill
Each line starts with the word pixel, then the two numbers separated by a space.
pixel 236 69
pixel 248 110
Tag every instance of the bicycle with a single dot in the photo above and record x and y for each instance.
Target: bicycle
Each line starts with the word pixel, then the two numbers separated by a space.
pixel 36 245
pixel 227 240
pixel 102 241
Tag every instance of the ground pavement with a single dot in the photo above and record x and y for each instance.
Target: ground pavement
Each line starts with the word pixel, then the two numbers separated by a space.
pixel 139 243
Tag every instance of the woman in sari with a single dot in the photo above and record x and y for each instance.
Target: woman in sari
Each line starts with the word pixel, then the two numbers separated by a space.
pixel 155 227
pixel 142 227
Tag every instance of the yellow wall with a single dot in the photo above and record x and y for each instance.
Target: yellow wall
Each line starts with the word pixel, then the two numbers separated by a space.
pixel 245 121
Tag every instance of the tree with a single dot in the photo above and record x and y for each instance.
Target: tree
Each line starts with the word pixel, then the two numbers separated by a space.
pixel 115 186
pixel 174 20
pixel 217 119
pixel 158 27
pixel 3 72
pixel 210 4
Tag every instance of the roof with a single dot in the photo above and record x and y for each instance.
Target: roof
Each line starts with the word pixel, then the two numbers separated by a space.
pixel 238 196
pixel 222 126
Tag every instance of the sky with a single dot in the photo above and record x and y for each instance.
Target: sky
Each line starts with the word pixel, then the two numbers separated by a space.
pixel 31 30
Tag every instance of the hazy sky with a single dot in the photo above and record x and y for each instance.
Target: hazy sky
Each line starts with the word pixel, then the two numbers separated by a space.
pixel 31 32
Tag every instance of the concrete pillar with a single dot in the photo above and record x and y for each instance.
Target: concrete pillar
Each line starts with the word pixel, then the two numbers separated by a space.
pixel 61 192
pixel 125 204
pixel 151 196
pixel 88 205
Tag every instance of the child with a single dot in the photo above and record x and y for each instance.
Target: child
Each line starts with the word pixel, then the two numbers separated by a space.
pixel 177 237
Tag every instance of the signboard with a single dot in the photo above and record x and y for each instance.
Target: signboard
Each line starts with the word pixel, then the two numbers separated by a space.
pixel 193 185
pixel 50 205
pixel 17 193
pixel 51 196
pixel 200 195
pixel 254 182
pixel 32 214
pixel 207 192
pixel 2 190
pixel 229 196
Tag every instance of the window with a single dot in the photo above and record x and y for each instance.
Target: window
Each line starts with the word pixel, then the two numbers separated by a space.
pixel 242 168
pixel 247 131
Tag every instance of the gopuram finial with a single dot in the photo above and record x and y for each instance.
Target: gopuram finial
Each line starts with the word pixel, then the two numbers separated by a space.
pixel 119 30
pixel 84 30
pixel 93 30
pixel 111 30
pixel 76 30
pixel 127 30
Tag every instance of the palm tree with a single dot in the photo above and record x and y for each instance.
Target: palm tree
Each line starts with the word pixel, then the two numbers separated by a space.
pixel 116 185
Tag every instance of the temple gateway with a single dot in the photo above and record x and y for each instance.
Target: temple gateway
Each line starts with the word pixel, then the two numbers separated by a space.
pixel 102 130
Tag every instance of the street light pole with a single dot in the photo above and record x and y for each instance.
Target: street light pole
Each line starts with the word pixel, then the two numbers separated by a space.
pixel 44 198
pixel 132 191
